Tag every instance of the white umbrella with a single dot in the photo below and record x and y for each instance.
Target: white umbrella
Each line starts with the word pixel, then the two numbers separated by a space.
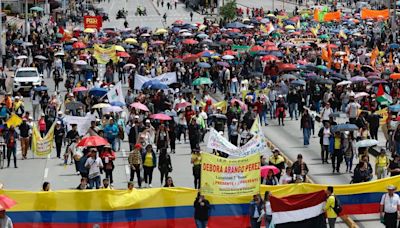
pixel 344 83
pixel 81 62
pixel 112 109
pixel 59 54
pixel 367 143
pixel 40 57
pixel 21 57
pixel 27 44
pixel 228 57
pixel 74 39
pixel 129 65
pixel 361 94
pixel 186 34
pixel 183 30
pixel 145 35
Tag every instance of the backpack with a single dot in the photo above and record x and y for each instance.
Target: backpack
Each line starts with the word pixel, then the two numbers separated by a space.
pixel 338 207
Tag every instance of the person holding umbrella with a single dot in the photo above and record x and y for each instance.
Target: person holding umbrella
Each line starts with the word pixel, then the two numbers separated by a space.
pixel 5 203
pixel 108 157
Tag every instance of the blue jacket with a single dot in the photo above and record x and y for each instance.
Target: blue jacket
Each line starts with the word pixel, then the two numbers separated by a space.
pixel 111 131
pixel 252 208
pixel 154 157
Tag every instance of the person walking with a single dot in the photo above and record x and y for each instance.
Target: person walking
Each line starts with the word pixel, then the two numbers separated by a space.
pixel 164 165
pixel 108 157
pixel 337 155
pixel 306 125
pixel 5 221
pixel 194 134
pixel 255 210
pixel 389 207
pixel 111 133
pixel 162 138
pixel 382 164
pixel 330 204
pixel 94 164
pixel 196 161
pixel 267 210
pixel 11 138
pixel 24 129
pixel 201 211
pixel 149 162
pixel 59 133
pixel 300 167
pixel 324 139
pixel 348 146
pixel 135 162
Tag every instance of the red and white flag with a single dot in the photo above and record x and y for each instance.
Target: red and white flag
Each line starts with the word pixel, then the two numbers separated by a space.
pixel 302 210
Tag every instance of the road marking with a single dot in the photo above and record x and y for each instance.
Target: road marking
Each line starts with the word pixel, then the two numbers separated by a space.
pixel 46 173
pixel 123 154
pixel 127 171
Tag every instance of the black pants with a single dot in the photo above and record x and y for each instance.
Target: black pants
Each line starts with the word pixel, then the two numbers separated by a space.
pixel 12 151
pixel 390 220
pixel 58 149
pixel 137 171
pixel 337 158
pixel 234 139
pixel 374 132
pixel 109 175
pixel 163 175
pixel 280 119
pixel 197 175
pixel 148 174
pixel 324 153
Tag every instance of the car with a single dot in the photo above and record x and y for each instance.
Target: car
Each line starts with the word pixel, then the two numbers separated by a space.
pixel 26 78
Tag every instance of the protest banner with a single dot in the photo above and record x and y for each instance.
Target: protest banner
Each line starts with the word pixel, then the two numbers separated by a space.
pixel 227 177
pixel 374 14
pixel 14 120
pixel 167 79
pixel 83 123
pixel 42 146
pixel 115 93
pixel 95 22
pixel 219 142
pixel 103 55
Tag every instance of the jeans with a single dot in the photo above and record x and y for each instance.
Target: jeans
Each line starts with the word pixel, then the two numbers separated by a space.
pixel 268 219
pixel 94 182
pixel 13 151
pixel 113 143
pixel 181 130
pixel 398 148
pixel 317 105
pixel 381 172
pixel 272 109
pixel 263 116
pixel 293 109
pixel 137 171
pixel 234 88
pixel 349 163
pixel 201 223
pixel 306 135
pixel 331 222
pixel 324 153
pixel 148 174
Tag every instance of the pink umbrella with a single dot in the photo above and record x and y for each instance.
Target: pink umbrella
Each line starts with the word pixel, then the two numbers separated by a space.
pixel 79 89
pixel 160 116
pixel 182 105
pixel 242 105
pixel 6 202
pixel 265 169
pixel 140 106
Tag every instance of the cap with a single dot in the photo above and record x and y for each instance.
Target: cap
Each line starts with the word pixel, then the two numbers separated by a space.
pixel 58 122
pixel 218 108
pixel 147 121
pixel 97 120
pixel 221 132
pixel 391 187
pixel 234 120
pixel 30 118
pixel 138 146
pixel 16 97
pixel 42 114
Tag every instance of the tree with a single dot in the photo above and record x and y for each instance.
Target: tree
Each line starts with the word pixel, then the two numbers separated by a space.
pixel 228 11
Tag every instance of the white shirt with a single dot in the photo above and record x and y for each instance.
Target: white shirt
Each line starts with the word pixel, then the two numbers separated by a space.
pixel 326 112
pixel 352 109
pixel 203 115
pixel 268 210
pixel 390 203
pixel 285 179
pixel 326 135
pixel 6 222
pixel 95 165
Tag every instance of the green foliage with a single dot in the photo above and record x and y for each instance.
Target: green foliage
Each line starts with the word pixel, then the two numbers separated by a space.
pixel 228 10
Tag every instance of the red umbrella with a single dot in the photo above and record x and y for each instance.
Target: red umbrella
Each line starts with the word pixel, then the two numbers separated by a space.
pixel 160 116
pixel 79 45
pixel 93 141
pixel 256 48
pixel 268 43
pixel 272 48
pixel 6 202
pixel 158 42
pixel 229 52
pixel 182 105
pixel 332 46
pixel 190 41
pixel 269 58
pixel 79 89
pixel 178 22
pixel 140 106
pixel 265 169
pixel 286 67
pixel 123 54
pixel 189 58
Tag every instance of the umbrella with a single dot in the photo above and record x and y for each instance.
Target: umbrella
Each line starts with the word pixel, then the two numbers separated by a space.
pixel 344 83
pixel 170 113
pixel 131 41
pixel 224 64
pixel 337 114
pixel 154 84
pixel 40 88
pixel 190 41
pixel 92 141
pixel 394 46
pixel 117 103
pixel 344 127
pixel 27 44
pixel 98 92
pixel 361 94
pixel 160 31
pixel 140 106
pixel 74 105
pixel 288 77
pixel 6 202
pixel 79 45
pixel 235 25
pixel 81 62
pixel 377 82
pixel 298 82
pixel 358 79
pixel 395 76
pixel 89 30
pixel 40 57
pixel 21 57
pixel 59 54
pixel 228 57
pixel 203 65
pixel 394 108
pixel 79 89
pixel 367 143
pixel 269 58
pixel 182 105
pixel 129 65
pixel 113 109
pixel 123 54
pixel 37 8
pixel 265 169
pixel 101 105
pixel 218 116
pixel 160 116
pixel 18 42
pixel 201 81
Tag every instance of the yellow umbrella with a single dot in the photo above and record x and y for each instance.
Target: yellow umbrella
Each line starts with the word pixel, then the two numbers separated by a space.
pixel 119 48
pixel 131 41
pixel 202 27
pixel 289 27
pixel 101 105
pixel 160 31
pixel 89 30
pixel 271 15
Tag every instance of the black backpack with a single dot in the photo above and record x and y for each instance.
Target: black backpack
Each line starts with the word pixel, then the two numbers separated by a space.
pixel 338 207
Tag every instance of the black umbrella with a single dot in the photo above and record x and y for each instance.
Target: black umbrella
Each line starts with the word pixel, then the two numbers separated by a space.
pixel 74 105
pixel 218 116
pixel 344 127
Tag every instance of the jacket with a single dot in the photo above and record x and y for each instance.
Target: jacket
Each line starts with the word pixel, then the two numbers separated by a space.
pixel 111 131
pixel 201 212
pixel 252 208
pixel 330 204
pixel 8 136
pixel 154 158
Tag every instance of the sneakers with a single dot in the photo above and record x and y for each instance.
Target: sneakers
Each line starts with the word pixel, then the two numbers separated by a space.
pixel 150 186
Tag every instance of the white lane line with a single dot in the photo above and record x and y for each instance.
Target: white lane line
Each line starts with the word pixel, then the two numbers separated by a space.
pixel 46 173
pixel 127 171
pixel 123 154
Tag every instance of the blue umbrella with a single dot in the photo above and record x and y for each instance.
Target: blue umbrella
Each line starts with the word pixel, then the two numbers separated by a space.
pixel 235 25
pixel 394 108
pixel 206 54
pixel 298 82
pixel 344 127
pixel 40 88
pixel 117 103
pixel 394 46
pixel 18 42
pixel 203 65
pixel 98 92
pixel 154 84
pixel 68 47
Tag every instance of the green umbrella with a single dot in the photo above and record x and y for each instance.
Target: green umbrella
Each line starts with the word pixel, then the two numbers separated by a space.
pixel 324 36
pixel 59 35
pixel 201 81
pixel 37 8
pixel 276 35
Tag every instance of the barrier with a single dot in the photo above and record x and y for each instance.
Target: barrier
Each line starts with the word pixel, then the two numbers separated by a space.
pixel 166 207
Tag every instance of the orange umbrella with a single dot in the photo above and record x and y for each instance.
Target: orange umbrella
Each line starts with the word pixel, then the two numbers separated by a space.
pixel 6 202
pixel 256 48
pixel 395 76
pixel 79 45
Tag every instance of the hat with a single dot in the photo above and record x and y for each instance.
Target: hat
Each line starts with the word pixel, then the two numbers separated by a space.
pixel 58 122
pixel 107 146
pixel 16 97
pixel 234 120
pixel 97 120
pixel 391 187
pixel 42 114
pixel 136 117
pixel 147 121
pixel 275 150
pixel 218 108
pixel 111 118
pixel 138 146
pixel 221 132
pixel 30 118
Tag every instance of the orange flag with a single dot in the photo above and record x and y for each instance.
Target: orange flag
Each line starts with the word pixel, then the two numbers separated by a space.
pixel 391 58
pixel 374 55
pixel 325 55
